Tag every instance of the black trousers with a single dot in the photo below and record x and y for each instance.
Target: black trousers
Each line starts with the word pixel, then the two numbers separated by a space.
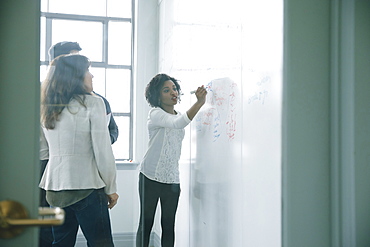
pixel 150 192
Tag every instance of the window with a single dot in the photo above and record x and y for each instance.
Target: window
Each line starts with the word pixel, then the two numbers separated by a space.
pixel 104 30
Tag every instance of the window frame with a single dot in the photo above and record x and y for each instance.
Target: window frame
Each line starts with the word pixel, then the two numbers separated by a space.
pixel 49 17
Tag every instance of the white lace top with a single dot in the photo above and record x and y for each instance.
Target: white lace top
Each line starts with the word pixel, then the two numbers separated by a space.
pixel 166 132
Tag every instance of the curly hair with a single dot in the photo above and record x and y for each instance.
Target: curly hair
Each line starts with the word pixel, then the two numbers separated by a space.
pixel 64 81
pixel 153 89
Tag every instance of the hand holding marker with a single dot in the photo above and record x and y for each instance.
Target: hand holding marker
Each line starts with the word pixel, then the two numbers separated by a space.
pixel 193 92
pixel 201 94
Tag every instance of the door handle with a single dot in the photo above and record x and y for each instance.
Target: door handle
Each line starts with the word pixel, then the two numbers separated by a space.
pixel 14 218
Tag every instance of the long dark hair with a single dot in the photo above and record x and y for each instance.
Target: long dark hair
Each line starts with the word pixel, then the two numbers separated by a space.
pixel 153 89
pixel 64 81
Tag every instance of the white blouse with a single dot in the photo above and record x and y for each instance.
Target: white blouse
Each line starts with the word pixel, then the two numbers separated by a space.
pixel 79 149
pixel 166 132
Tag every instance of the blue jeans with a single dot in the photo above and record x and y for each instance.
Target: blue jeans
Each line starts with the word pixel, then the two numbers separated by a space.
pixel 91 214
pixel 150 192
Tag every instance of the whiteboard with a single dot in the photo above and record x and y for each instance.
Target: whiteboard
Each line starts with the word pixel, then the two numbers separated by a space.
pixel 235 172
pixel 215 172
pixel 230 166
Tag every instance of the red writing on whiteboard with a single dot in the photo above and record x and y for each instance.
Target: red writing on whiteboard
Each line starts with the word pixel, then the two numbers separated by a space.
pixel 220 118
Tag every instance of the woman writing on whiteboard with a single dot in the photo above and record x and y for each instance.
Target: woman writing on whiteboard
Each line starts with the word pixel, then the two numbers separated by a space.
pixel 80 176
pixel 159 173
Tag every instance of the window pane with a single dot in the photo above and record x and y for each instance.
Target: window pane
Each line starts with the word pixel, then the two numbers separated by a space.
pixel 119 8
pixel 43 56
pixel 121 146
pixel 88 34
pixel 118 89
pixel 98 80
pixel 43 72
pixel 44 5
pixel 78 7
pixel 119 43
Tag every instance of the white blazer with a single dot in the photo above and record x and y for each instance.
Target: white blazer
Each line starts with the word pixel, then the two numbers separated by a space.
pixel 79 149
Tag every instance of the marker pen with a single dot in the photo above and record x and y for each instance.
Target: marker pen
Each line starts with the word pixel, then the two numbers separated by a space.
pixel 193 92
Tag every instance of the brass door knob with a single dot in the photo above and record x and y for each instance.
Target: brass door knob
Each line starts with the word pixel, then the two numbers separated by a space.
pixel 14 217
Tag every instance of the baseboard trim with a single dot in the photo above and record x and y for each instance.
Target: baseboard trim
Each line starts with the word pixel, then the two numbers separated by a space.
pixel 126 239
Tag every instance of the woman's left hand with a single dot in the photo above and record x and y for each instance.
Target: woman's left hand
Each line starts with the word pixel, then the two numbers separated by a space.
pixel 112 200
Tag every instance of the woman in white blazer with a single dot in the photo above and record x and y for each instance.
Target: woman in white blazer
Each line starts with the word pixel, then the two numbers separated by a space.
pixel 81 174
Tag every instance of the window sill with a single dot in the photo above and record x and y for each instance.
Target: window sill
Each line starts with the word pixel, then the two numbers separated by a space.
pixel 127 165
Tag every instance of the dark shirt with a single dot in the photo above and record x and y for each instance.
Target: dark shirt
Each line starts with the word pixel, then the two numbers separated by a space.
pixel 113 128
pixel 65 198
